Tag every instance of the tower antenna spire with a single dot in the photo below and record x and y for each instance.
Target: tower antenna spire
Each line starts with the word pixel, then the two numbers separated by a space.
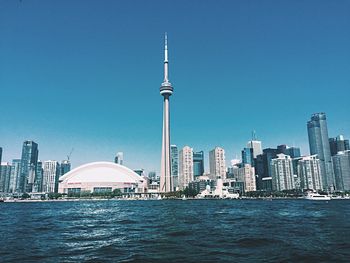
pixel 166 66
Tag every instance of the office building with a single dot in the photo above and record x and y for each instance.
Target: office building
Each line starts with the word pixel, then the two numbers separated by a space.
pixel 29 162
pixel 217 165
pixel 185 167
pixel 262 165
pixel 15 175
pixel 282 173
pixel 247 156
pixel 319 144
pixel 51 176
pixel 5 177
pixel 174 155
pixel 65 167
pixel 338 144
pixel 293 152
pixel 198 163
pixel 119 158
pixel 256 147
pixel 38 182
pixel 341 162
pixel 309 173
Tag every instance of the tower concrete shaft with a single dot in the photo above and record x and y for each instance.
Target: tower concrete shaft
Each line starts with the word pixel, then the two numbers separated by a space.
pixel 166 90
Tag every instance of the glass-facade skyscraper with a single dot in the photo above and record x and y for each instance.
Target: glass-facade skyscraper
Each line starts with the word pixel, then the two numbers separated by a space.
pixel 338 144
pixel 65 167
pixel 174 171
pixel 198 163
pixel 15 175
pixel 247 156
pixel 29 162
pixel 341 163
pixel 319 144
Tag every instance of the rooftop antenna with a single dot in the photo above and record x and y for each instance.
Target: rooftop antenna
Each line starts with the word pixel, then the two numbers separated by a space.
pixel 253 135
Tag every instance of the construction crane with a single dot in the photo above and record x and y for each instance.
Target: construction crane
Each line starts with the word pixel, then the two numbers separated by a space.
pixel 68 156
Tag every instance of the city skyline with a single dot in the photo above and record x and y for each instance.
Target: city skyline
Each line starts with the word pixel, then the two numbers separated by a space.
pixel 81 98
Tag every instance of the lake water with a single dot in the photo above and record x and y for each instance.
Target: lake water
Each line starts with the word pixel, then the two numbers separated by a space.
pixel 176 231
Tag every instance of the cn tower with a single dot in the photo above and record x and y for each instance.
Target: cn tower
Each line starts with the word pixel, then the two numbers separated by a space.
pixel 166 90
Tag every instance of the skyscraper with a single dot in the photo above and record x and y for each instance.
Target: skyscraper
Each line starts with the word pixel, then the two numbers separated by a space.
pixel 185 167
pixel 5 177
pixel 15 175
pixel 119 158
pixel 50 177
pixel 338 144
pixel 28 166
pixel 174 153
pixel 246 174
pixel 319 144
pixel 0 159
pixel 38 182
pixel 198 163
pixel 341 163
pixel 256 146
pixel 262 165
pixel 282 173
pixel 65 167
pixel 247 156
pixel 309 172
pixel 217 165
pixel 166 90
pixel 293 152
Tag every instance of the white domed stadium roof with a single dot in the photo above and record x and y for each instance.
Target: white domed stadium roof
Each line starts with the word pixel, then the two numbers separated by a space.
pixel 99 174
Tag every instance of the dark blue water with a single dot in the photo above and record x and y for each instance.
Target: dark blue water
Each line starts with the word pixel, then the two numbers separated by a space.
pixel 176 231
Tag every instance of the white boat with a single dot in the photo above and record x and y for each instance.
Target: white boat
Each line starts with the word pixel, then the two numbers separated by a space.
pixel 316 196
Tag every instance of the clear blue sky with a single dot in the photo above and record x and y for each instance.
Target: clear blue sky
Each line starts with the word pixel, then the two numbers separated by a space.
pixel 86 74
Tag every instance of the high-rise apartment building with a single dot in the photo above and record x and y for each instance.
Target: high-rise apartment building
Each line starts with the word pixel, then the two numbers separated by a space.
pixel 341 162
pixel 174 156
pixel 282 173
pixel 338 144
pixel 309 172
pixel 246 174
pixel 319 144
pixel 217 165
pixel 198 163
pixel 185 167
pixel 29 162
pixel 119 158
pixel 51 176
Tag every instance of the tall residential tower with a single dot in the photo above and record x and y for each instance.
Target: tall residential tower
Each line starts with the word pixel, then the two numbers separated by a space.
pixel 166 90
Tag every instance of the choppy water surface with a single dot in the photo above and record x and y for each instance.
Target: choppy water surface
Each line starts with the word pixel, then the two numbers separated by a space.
pixel 176 231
